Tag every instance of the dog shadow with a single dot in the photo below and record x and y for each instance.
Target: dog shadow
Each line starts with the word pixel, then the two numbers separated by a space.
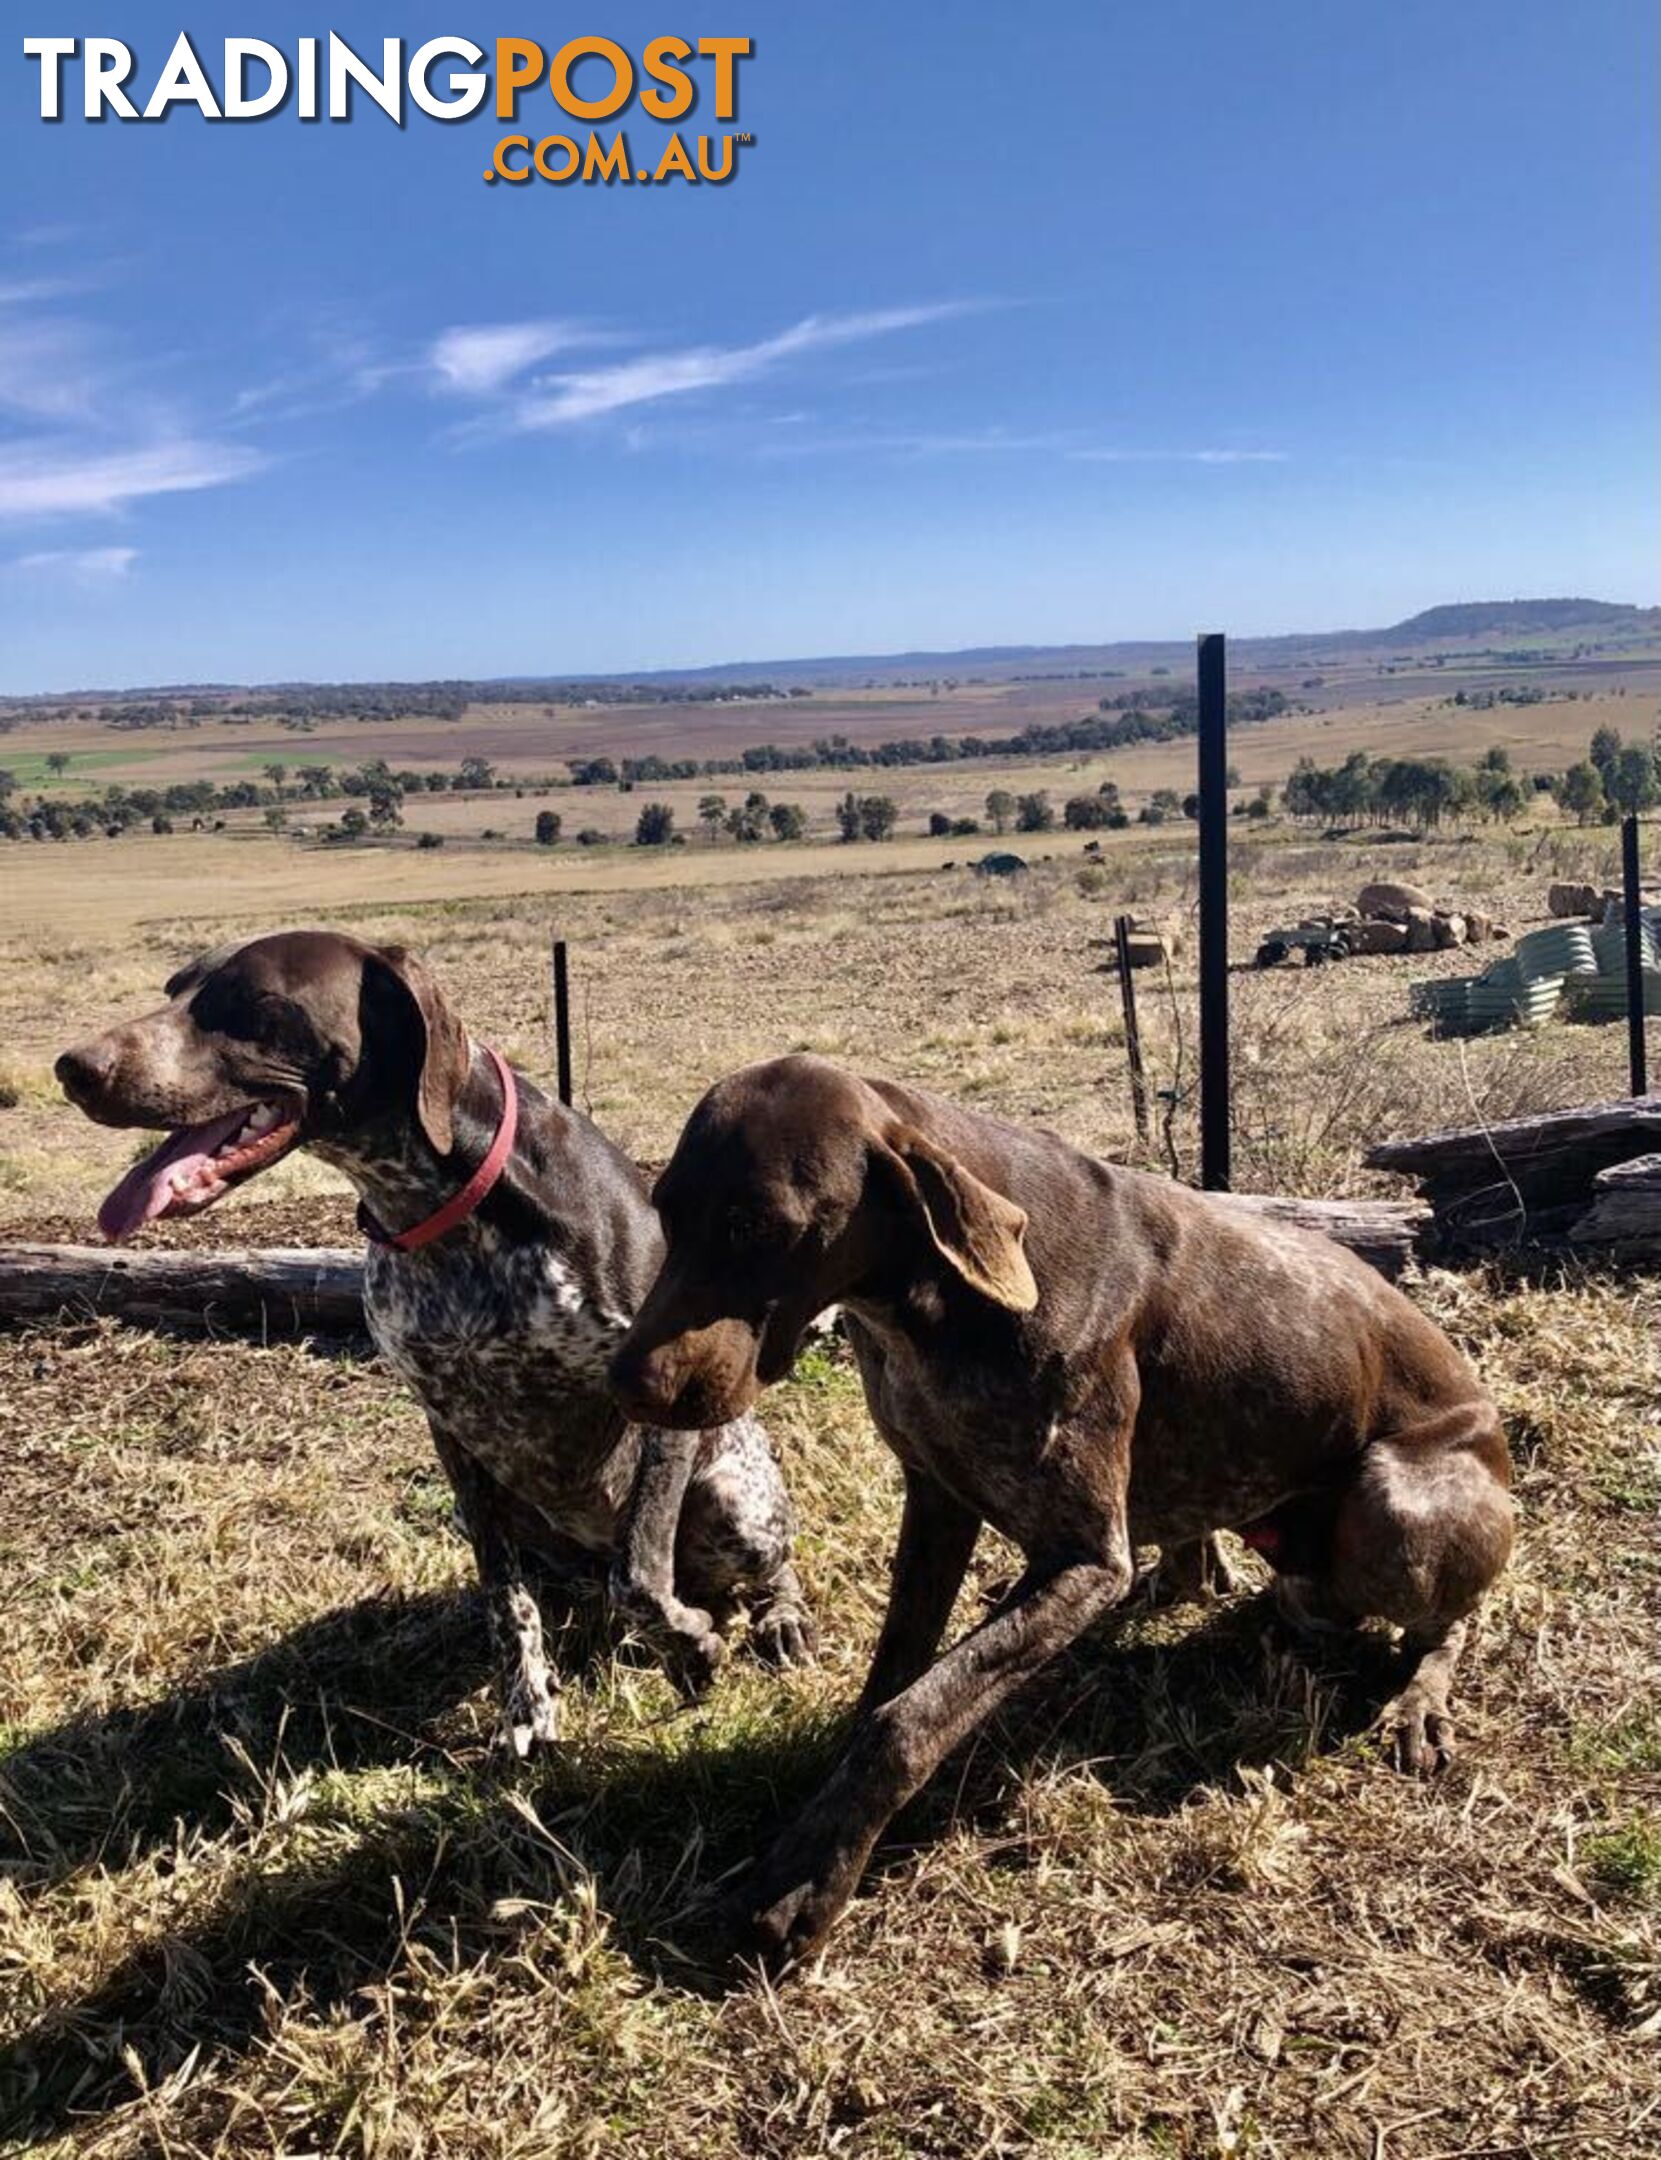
pixel 649 1833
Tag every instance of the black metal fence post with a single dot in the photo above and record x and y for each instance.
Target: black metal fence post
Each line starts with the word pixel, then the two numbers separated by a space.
pixel 562 1022
pixel 1633 897
pixel 1214 1120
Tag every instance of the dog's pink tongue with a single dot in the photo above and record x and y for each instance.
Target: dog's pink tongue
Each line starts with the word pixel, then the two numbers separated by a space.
pixel 144 1192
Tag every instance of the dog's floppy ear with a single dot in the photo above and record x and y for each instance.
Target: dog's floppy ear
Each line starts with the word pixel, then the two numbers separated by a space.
pixel 445 1052
pixel 198 970
pixel 975 1228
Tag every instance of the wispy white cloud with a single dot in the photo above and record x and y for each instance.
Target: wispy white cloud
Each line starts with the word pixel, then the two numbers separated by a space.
pixel 86 566
pixel 561 399
pixel 56 479
pixel 1179 457
pixel 46 369
pixel 1002 442
pixel 483 358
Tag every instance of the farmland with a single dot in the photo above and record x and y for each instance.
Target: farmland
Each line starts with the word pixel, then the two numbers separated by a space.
pixel 264 1890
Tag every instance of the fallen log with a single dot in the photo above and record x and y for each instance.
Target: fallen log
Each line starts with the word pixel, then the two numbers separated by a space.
pixel 1387 1234
pixel 284 1291
pixel 1563 1177
pixel 1554 1148
pixel 1624 1219
pixel 266 1291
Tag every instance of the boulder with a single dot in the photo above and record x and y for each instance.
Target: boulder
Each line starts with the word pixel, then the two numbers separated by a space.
pixel 1378 936
pixel 1479 926
pixel 1384 902
pixel 1567 900
pixel 1448 931
pixel 1421 930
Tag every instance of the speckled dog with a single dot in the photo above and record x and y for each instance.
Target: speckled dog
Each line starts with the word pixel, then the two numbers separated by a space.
pixel 525 1244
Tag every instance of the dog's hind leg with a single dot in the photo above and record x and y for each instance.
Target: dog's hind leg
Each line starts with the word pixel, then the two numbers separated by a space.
pixel 528 1687
pixel 736 1536
pixel 1418 1538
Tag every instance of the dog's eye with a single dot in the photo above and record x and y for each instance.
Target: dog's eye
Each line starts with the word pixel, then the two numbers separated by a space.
pixel 229 1009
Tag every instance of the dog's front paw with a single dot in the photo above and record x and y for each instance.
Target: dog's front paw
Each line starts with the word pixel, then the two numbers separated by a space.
pixel 785 1635
pixel 529 1719
pixel 779 1923
pixel 1421 1734
pixel 692 1658
pixel 785 1906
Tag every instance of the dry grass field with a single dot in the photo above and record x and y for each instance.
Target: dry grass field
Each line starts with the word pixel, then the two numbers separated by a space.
pixel 264 1891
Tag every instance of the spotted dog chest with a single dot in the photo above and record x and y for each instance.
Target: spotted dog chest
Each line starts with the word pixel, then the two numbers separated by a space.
pixel 507 1352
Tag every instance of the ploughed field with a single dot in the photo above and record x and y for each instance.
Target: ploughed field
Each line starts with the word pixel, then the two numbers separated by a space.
pixel 263 1889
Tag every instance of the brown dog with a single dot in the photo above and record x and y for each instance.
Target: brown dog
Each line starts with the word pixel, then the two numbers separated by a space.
pixel 1084 1356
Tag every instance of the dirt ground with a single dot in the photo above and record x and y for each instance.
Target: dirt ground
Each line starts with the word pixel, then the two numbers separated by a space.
pixel 264 1891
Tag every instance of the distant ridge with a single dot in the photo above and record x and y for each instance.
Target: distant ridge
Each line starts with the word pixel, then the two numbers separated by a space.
pixel 1513 618
pixel 1515 630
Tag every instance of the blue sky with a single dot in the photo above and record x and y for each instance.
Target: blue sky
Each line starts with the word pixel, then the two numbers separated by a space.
pixel 1072 321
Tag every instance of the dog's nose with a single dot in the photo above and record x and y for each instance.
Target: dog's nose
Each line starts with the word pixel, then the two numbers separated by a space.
pixel 85 1070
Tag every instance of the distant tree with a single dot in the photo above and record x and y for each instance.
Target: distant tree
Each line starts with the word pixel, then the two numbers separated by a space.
pixel 1085 813
pixel 316 781
pixel 276 772
pixel 353 823
pixel 1580 793
pixel 712 815
pixel 8 786
pixel 847 817
pixel 547 827
pixel 276 817
pixel 161 823
pixel 1000 808
pixel 939 825
pixel 57 761
pixel 476 772
pixel 429 839
pixel 1604 752
pixel 655 826
pixel 386 808
pixel 788 820
pixel 878 815
pixel 1035 813
pixel 748 821
pixel 1633 785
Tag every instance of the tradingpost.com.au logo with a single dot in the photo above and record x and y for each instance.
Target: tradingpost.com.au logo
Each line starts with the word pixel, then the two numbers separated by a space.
pixel 446 79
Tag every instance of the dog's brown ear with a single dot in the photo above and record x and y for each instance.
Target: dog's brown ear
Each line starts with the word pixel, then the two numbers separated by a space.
pixel 445 1052
pixel 975 1228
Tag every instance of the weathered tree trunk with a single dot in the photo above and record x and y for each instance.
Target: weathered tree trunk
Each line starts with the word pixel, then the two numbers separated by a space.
pixel 1565 1177
pixel 277 1291
pixel 1387 1234
pixel 1624 1219
pixel 286 1291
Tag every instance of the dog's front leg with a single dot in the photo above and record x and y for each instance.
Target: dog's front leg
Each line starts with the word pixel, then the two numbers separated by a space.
pixel 642 1584
pixel 528 1688
pixel 803 1882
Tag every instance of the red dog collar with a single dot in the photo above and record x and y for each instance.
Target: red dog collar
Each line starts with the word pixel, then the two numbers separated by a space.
pixel 473 1194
